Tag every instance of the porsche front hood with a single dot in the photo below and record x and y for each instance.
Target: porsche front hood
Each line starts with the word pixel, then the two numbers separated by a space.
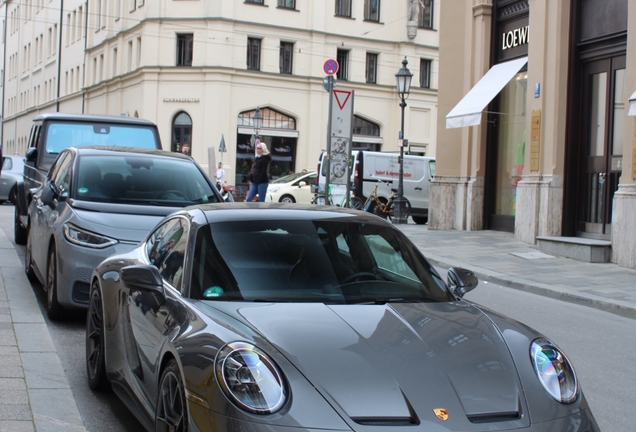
pixel 398 361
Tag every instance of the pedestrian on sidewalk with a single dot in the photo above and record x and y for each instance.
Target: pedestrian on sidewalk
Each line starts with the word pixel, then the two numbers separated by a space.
pixel 259 176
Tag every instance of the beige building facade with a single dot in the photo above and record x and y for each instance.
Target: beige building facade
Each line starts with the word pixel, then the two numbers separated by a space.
pixel 533 132
pixel 201 69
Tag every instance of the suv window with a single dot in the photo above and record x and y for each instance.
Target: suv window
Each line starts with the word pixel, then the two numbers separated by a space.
pixel 62 135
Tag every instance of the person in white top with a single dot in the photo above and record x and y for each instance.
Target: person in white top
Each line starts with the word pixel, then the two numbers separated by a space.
pixel 220 176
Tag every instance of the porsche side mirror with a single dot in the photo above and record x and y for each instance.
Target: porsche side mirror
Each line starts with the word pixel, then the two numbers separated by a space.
pixel 460 281
pixel 145 278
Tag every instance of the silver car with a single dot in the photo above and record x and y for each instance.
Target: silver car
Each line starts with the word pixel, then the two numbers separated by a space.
pixel 97 201
pixel 267 317
pixel 12 169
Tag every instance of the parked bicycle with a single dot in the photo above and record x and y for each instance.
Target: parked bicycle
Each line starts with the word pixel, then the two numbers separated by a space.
pixel 375 204
pixel 354 201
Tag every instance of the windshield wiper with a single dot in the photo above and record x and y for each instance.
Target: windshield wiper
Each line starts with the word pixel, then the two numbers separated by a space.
pixel 381 301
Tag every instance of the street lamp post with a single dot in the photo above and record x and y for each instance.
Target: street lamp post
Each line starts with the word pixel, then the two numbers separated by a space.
pixel 257 121
pixel 403 77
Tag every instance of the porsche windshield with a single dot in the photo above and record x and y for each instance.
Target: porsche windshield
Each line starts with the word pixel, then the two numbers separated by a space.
pixel 141 179
pixel 325 261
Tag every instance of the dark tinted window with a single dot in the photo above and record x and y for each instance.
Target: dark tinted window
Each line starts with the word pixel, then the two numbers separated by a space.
pixel 311 261
pixel 142 179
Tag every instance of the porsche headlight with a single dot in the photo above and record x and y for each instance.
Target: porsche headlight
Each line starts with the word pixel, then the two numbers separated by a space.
pixel 82 237
pixel 273 189
pixel 554 371
pixel 250 379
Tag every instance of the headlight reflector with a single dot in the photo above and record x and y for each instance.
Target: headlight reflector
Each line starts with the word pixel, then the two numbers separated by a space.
pixel 554 371
pixel 85 238
pixel 250 379
pixel 273 189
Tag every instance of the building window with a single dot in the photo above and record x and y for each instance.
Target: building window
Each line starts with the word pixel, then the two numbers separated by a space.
pixel 288 4
pixel 372 10
pixel 343 65
pixel 365 127
pixel 425 19
pixel 255 1
pixel 184 49
pixel 372 68
pixel 425 73
pixel 253 54
pixel 343 8
pixel 182 134
pixel 286 57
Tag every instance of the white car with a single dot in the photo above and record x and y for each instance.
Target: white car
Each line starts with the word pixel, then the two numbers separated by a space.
pixel 292 188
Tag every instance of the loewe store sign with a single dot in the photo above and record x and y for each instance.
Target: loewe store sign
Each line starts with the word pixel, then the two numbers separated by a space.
pixel 515 38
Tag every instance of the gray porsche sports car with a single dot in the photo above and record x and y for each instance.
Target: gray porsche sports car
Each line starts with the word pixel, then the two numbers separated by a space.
pixel 275 317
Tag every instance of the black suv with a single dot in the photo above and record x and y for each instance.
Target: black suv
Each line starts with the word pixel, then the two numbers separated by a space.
pixel 53 132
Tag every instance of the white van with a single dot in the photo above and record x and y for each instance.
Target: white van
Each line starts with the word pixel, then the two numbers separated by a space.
pixel 368 167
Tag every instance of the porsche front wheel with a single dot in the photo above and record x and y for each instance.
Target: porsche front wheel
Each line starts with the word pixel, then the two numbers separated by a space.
pixel 171 413
pixel 95 357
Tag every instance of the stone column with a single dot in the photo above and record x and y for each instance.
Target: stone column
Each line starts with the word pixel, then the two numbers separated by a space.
pixel 457 192
pixel 540 192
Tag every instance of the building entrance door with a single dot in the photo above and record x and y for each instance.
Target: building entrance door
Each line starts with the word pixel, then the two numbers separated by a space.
pixel 601 125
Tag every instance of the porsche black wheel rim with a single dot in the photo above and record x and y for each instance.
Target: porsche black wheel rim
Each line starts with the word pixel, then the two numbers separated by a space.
pixel 94 347
pixel 171 409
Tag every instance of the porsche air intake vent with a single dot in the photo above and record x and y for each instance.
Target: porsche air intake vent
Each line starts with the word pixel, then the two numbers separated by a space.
pixel 379 421
pixel 494 417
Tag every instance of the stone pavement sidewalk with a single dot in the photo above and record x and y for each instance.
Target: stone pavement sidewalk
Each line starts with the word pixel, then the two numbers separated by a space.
pixel 500 258
pixel 34 391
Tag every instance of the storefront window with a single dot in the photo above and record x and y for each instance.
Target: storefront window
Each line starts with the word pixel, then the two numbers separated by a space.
pixel 511 143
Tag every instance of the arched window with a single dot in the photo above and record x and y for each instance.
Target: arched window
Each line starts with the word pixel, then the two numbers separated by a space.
pixel 182 133
pixel 366 135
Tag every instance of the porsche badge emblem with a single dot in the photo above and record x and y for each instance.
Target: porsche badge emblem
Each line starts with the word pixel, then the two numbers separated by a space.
pixel 441 413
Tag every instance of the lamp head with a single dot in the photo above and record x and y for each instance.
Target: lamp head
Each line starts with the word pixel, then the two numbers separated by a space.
pixel 257 120
pixel 403 77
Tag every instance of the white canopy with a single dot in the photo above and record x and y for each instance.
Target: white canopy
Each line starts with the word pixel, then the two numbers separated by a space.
pixel 468 111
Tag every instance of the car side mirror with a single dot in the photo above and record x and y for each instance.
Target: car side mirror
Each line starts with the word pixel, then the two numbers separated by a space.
pixel 301 184
pixel 460 281
pixel 145 278
pixel 49 193
pixel 31 156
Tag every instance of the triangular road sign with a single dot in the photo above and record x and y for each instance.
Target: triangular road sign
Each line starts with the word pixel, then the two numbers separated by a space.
pixel 222 147
pixel 342 96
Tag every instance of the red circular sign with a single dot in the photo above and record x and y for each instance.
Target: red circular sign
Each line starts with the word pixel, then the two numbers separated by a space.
pixel 330 67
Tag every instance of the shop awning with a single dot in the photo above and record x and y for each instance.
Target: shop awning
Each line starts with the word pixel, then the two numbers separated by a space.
pixel 468 111
pixel 632 105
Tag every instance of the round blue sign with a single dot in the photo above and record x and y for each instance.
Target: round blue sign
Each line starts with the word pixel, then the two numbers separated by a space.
pixel 330 67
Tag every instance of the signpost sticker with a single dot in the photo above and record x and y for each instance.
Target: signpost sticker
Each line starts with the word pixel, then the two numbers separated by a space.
pixel 330 67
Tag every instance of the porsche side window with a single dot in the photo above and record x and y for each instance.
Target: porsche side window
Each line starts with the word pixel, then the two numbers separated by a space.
pixel 166 249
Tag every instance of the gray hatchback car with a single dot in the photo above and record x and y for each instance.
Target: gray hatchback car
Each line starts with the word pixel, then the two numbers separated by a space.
pixel 97 201
pixel 12 167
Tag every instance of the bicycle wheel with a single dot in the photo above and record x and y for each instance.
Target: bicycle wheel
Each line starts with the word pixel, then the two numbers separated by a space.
pixel 379 209
pixel 319 200
pixel 406 210
pixel 356 203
